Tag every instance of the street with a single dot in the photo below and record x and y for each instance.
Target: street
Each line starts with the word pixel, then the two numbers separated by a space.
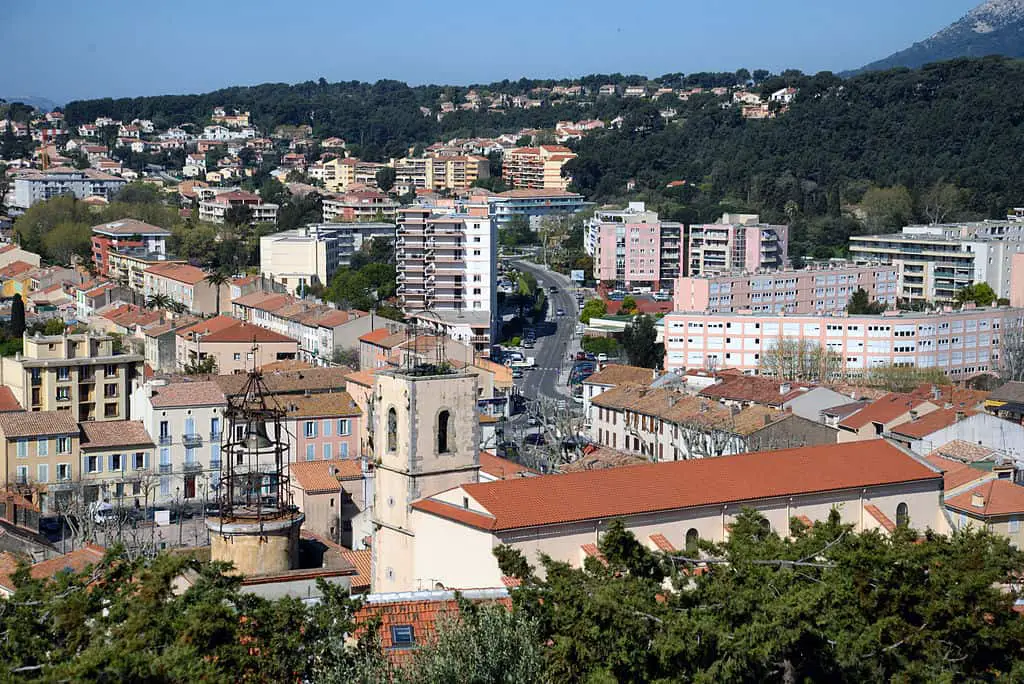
pixel 552 350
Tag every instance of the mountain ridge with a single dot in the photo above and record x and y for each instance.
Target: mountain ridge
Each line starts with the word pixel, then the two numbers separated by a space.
pixel 995 27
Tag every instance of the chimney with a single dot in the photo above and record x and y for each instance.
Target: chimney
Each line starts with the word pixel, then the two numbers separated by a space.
pixel 913 415
pixel 785 388
pixel 960 415
pixel 936 392
pixel 977 500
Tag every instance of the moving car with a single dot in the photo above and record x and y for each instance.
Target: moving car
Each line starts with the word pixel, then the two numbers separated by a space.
pixel 560 313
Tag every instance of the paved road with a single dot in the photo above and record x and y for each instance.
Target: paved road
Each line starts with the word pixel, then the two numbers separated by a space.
pixel 552 350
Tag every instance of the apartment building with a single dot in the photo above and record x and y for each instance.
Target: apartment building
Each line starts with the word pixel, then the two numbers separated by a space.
pixel 359 205
pixel 633 248
pixel 235 346
pixel 319 329
pixel 737 243
pixel 126 234
pixel 40 452
pixel 311 254
pixel 213 209
pixel 825 290
pixel 935 262
pixel 35 186
pixel 446 268
pixel 127 266
pixel 186 421
pixel 117 463
pixel 533 204
pixel 960 343
pixel 441 172
pixel 77 373
pixel 322 426
pixel 186 285
pixel 537 168
pixel 339 173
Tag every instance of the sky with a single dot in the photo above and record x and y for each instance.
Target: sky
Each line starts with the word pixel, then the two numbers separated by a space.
pixel 73 49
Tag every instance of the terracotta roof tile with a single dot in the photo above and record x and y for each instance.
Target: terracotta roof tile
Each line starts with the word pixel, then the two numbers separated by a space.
pixel 318 477
pixel 421 615
pixel 754 389
pixel 323 405
pixel 616 375
pixel 193 393
pixel 246 332
pixel 883 520
pixel 960 397
pixel 31 424
pixel 8 402
pixel 129 227
pixel 600 458
pixel 1010 392
pixel 884 410
pixel 998 497
pixel 963 451
pixel 662 543
pixel 182 273
pixel 502 468
pixel 366 378
pixel 289 382
pixel 931 422
pixel 954 473
pixel 114 433
pixel 360 582
pixel 208 327
pixel 588 495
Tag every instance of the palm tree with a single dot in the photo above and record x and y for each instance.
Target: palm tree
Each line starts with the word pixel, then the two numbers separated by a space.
pixel 158 301
pixel 217 280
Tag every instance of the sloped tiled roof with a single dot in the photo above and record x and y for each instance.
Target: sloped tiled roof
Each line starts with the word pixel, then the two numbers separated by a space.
pixel 129 227
pixel 502 468
pixel 603 494
pixel 246 332
pixel 662 543
pixel 1010 392
pixel 366 378
pixel 360 582
pixel 613 375
pixel 323 405
pixel 8 402
pixel 931 422
pixel 115 433
pixel 963 451
pixel 208 327
pixel 883 520
pixel 421 614
pixel 884 410
pixel 74 561
pixel 954 473
pixel 754 389
pixel 289 382
pixel 31 424
pixel 999 497
pixel 197 393
pixel 318 477
pixel 182 273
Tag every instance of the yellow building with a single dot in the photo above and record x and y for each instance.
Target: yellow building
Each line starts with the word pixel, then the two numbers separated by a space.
pixel 80 374
pixel 537 168
pixel 340 173
pixel 442 172
pixel 41 453
pixel 16 279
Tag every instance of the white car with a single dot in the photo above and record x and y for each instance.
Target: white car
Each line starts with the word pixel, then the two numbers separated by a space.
pixel 602 358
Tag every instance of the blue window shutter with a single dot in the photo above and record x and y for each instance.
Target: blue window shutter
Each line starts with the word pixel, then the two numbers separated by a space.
pixel 99 464
pixel 145 460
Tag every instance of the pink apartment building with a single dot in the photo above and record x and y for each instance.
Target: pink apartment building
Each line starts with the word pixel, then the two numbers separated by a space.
pixel 961 343
pixel 322 426
pixel 810 291
pixel 737 243
pixel 633 248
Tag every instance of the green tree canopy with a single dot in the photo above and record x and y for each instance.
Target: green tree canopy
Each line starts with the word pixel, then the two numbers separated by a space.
pixel 640 342
pixel 860 304
pixel 594 308
pixel 981 294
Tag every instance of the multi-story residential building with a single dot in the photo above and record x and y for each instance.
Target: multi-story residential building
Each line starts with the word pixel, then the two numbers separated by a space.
pixel 339 173
pixel 960 343
pixel 319 329
pixel 35 186
pixel 234 345
pixel 78 373
pixel 935 262
pixel 185 420
pixel 737 243
pixel 311 254
pixel 128 266
pixel 360 205
pixel 322 426
pixel 11 253
pixel 40 452
pixel 441 172
pixel 186 285
pixel 533 204
pixel 810 291
pixel 446 267
pixel 215 208
pixel 537 168
pixel 126 235
pixel 633 248
pixel 117 463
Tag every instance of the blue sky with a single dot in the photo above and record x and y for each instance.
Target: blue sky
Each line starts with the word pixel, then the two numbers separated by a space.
pixel 67 49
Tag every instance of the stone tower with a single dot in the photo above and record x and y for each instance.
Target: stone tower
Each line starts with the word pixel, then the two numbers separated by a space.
pixel 426 435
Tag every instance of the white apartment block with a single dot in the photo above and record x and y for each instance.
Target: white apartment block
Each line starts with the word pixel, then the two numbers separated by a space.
pixel 310 254
pixel 446 268
pixel 935 262
pixel 35 186
pixel 960 343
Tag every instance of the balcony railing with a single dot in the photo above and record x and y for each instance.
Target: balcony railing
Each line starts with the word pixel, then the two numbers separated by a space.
pixel 192 467
pixel 165 468
pixel 192 440
pixel 215 464
pixel 165 440
pixel 215 435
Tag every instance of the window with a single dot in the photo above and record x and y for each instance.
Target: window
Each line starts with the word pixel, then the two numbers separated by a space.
pixel 116 462
pixel 902 515
pixel 109 410
pixel 138 460
pixel 22 448
pixel 63 445
pixel 43 472
pixel 402 636
pixel 692 537
pixel 22 474
pixel 343 450
pixel 165 430
pixel 110 371
pixel 110 390
pixel 392 430
pixel 327 452
pixel 43 447
pixel 63 472
pixel 310 428
pixel 1014 526
pixel 93 464
pixel 165 456
pixel 310 452
pixel 63 394
pixel 237 356
pixel 443 419
pixel 344 427
pixel 327 428
pixel 63 373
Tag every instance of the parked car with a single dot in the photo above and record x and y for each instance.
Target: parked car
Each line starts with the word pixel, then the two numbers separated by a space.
pixel 601 358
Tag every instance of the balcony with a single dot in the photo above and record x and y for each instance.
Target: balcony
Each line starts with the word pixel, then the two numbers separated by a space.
pixel 165 440
pixel 165 468
pixel 215 435
pixel 215 464
pixel 192 467
pixel 192 440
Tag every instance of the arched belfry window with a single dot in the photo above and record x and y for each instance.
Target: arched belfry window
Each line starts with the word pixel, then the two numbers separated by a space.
pixel 444 432
pixel 902 516
pixel 392 430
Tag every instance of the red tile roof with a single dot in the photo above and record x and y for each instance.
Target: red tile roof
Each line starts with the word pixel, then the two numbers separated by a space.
pixel 884 410
pixel 756 390
pixel 376 336
pixel 883 520
pixel 37 423
pixel 8 402
pixel 75 561
pixel 998 497
pixel 319 477
pixel 179 394
pixel 931 422
pixel 207 327
pixel 614 374
pixel 246 332
pixel 954 473
pixel 360 582
pixel 16 269
pixel 337 404
pixel 502 468
pixel 182 273
pixel 115 433
pixel 422 615
pixel 366 378
pixel 631 490
pixel 663 544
